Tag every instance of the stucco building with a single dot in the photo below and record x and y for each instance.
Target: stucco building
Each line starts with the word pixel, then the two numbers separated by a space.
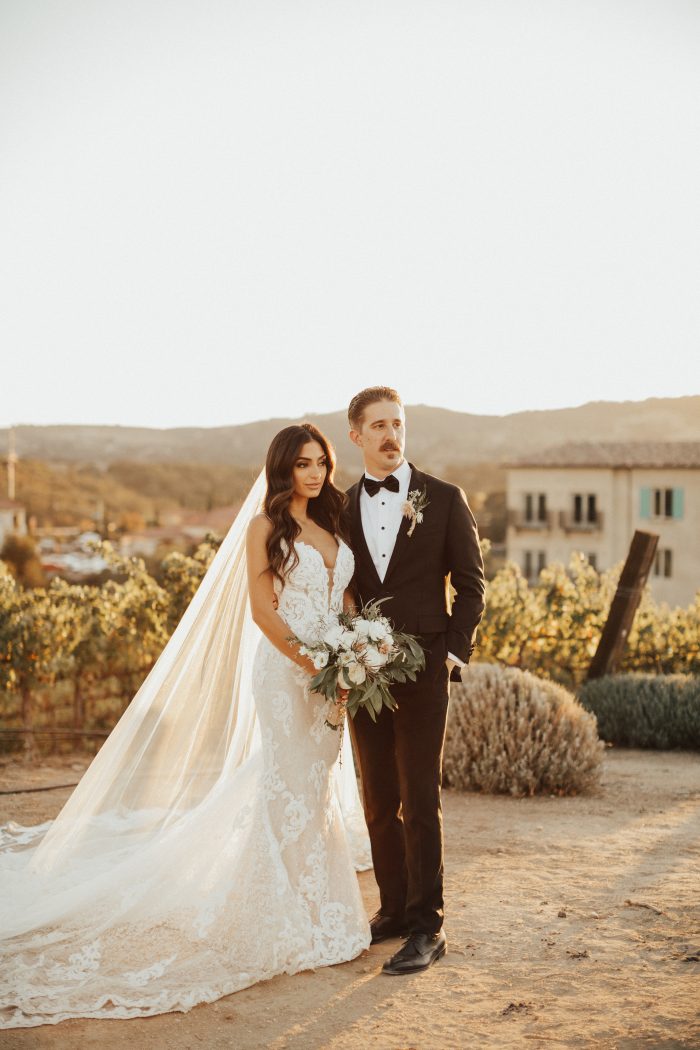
pixel 591 497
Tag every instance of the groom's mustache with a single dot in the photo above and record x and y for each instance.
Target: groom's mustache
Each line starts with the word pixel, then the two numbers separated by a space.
pixel 389 446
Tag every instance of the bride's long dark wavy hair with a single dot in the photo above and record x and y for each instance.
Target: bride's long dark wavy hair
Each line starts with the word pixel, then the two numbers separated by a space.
pixel 326 509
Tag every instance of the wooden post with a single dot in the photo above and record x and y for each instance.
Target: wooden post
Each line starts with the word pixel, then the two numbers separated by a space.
pixel 624 605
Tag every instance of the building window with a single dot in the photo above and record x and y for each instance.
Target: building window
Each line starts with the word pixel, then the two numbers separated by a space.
pixel 533 563
pixel 585 508
pixel 661 503
pixel 663 562
pixel 593 561
pixel 578 507
pixel 535 506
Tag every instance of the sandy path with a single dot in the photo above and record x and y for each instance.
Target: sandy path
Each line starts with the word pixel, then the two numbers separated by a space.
pixel 612 973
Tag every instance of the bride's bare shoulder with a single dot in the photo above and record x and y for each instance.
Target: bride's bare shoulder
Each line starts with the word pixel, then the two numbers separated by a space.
pixel 259 527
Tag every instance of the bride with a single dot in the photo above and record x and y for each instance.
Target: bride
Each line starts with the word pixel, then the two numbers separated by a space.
pixel 214 839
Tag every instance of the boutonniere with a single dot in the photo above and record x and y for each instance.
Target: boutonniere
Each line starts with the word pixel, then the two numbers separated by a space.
pixel 414 506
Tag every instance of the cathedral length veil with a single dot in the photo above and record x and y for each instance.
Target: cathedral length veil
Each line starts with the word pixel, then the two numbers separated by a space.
pixel 188 736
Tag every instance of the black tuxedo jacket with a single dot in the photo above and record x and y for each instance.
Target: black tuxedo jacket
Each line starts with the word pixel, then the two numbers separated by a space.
pixel 443 549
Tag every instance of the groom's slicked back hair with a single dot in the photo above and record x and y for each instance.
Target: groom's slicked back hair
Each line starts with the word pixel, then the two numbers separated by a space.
pixel 369 396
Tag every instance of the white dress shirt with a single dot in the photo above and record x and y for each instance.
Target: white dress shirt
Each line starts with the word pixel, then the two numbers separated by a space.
pixel 381 516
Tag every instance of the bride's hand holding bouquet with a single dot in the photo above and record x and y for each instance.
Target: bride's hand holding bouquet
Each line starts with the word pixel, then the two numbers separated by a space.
pixel 361 655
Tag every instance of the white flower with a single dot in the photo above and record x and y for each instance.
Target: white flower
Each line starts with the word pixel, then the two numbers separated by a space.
pixel 351 671
pixel 350 638
pixel 320 659
pixel 375 658
pixel 363 628
pixel 356 673
pixel 333 635
pixel 379 630
pixel 414 506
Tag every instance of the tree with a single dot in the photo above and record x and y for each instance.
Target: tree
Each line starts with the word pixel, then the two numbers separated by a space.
pixel 21 555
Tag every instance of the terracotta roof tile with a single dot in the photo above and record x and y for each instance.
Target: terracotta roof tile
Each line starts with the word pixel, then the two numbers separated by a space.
pixel 615 454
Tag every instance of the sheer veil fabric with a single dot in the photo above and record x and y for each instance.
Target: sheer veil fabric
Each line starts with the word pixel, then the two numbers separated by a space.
pixel 179 774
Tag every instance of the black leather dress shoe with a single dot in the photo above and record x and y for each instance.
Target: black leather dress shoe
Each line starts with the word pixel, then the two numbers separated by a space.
pixel 418 953
pixel 384 927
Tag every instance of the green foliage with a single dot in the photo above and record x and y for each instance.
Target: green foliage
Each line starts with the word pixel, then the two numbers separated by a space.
pixel 646 710
pixel 76 632
pixel 513 733
pixel 87 634
pixel 130 616
pixel 552 627
pixel 182 574
pixel 31 629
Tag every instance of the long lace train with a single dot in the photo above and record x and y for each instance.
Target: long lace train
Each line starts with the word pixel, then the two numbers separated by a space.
pixel 154 911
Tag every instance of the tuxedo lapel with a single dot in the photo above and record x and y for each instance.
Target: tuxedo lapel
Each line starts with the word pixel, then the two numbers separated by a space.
pixel 359 540
pixel 403 539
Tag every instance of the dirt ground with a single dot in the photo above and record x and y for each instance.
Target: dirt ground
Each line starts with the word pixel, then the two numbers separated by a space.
pixel 571 922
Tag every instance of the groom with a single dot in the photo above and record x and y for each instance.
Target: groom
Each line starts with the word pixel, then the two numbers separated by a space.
pixel 400 755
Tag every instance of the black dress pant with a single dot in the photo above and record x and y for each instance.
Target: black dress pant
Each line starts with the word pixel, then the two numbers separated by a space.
pixel 400 760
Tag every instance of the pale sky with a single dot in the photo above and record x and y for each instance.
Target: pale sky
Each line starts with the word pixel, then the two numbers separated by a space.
pixel 216 211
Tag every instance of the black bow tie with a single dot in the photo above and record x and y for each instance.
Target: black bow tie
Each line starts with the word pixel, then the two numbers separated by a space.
pixel 390 482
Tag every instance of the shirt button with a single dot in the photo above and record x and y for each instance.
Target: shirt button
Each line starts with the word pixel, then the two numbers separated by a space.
pixel 383 555
pixel 383 527
pixel 382 503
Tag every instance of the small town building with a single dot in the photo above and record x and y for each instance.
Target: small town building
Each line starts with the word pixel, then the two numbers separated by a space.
pixel 181 530
pixel 591 496
pixel 13 519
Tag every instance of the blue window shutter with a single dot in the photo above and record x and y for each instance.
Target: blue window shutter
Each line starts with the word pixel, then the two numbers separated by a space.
pixel 645 503
pixel 677 504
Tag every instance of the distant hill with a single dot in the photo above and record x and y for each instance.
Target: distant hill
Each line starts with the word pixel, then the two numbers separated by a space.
pixel 125 492
pixel 437 437
pixel 131 494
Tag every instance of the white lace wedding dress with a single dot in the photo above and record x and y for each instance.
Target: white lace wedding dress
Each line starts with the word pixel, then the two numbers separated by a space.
pixel 258 880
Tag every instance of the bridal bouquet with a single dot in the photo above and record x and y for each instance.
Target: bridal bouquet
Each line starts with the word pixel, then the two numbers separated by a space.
pixel 364 654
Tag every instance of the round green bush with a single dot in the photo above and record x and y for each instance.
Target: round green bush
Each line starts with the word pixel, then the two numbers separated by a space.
pixel 509 732
pixel 646 710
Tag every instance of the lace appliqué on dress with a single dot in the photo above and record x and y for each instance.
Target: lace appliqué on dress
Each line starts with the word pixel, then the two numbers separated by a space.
pixel 264 885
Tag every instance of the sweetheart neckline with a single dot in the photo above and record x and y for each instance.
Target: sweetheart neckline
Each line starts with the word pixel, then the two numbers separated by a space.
pixel 329 568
